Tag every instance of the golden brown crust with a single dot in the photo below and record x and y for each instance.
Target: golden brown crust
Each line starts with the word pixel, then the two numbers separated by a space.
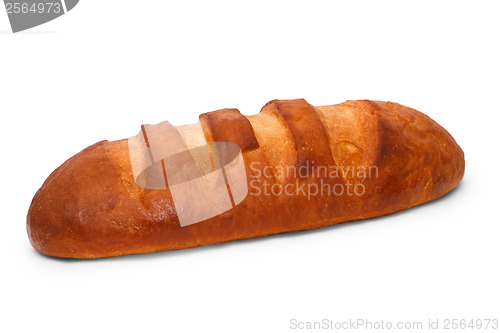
pixel 90 207
pixel 309 135
pixel 229 125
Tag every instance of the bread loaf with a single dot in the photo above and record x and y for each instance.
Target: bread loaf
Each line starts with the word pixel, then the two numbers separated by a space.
pixel 295 167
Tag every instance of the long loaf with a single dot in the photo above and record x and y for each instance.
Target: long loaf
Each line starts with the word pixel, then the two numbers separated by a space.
pixel 306 167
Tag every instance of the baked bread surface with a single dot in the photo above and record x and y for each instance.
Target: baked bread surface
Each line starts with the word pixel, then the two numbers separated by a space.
pixel 91 206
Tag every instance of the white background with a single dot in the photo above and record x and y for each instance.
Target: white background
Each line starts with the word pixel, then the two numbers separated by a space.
pixel 106 67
